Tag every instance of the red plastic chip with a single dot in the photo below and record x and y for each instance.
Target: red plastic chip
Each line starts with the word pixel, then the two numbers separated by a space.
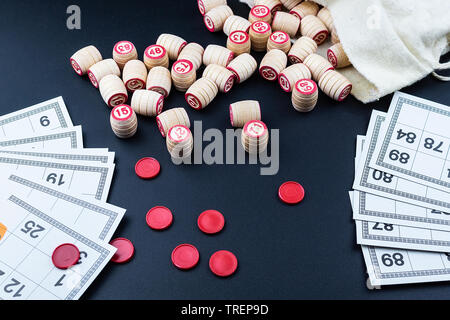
pixel 147 168
pixel 65 256
pixel 159 218
pixel 223 263
pixel 185 256
pixel 211 221
pixel 291 192
pixel 125 250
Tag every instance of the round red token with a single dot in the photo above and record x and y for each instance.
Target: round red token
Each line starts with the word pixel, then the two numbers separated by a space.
pixel 65 256
pixel 211 221
pixel 291 192
pixel 159 218
pixel 223 263
pixel 185 256
pixel 147 168
pixel 125 250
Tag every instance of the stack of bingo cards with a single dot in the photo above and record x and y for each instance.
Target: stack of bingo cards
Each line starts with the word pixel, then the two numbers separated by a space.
pixel 401 196
pixel 56 226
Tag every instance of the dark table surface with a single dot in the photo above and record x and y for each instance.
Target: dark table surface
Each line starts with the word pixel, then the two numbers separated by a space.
pixel 285 252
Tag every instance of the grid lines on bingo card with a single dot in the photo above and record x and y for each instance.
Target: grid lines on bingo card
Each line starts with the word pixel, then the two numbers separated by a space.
pixel 417 142
pixel 23 282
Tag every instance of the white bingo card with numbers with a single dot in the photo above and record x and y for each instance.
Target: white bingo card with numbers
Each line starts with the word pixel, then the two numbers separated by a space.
pixel 61 139
pixel 92 180
pixel 46 116
pixel 410 201
pixel 389 235
pixel 28 238
pixel 90 154
pixel 381 234
pixel 387 266
pixel 97 219
pixel 370 207
pixel 415 142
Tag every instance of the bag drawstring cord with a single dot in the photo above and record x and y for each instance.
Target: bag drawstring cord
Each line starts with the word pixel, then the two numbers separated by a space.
pixel 442 66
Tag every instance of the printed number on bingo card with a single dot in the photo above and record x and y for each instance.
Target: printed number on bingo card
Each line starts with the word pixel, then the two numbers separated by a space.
pixel 56 179
pixel 32 229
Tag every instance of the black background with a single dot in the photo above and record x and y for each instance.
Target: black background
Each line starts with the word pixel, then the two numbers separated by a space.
pixel 300 252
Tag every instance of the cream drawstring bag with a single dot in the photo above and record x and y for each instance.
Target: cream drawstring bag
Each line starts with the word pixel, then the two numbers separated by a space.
pixel 391 43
